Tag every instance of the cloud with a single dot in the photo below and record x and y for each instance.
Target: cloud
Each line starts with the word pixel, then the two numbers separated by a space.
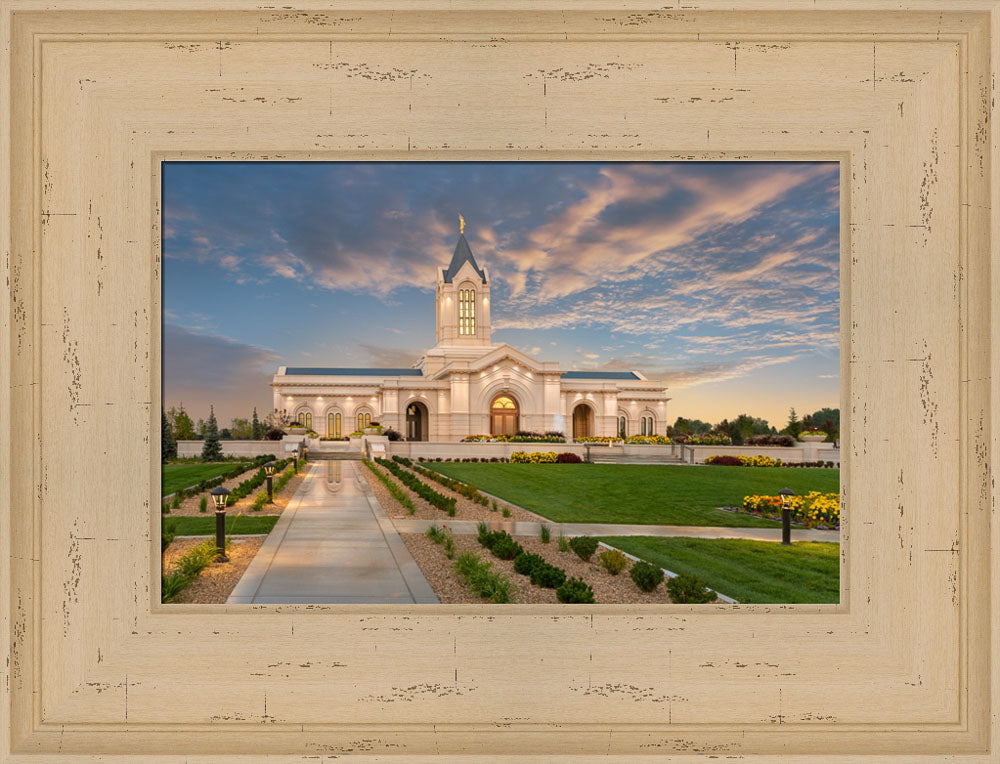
pixel 204 369
pixel 400 358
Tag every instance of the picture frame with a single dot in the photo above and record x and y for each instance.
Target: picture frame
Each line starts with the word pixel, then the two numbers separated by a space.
pixel 900 93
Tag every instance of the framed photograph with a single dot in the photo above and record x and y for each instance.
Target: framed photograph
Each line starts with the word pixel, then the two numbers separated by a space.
pixel 492 315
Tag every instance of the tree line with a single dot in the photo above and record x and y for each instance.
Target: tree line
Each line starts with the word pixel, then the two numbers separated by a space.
pixel 745 426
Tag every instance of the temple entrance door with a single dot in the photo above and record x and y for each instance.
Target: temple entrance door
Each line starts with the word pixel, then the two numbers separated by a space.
pixel 416 422
pixel 504 415
pixel 583 422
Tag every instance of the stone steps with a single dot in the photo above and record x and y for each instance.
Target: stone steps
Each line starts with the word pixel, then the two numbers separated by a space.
pixel 343 456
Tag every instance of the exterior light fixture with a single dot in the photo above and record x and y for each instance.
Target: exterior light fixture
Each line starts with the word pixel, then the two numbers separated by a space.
pixel 786 495
pixel 269 471
pixel 220 496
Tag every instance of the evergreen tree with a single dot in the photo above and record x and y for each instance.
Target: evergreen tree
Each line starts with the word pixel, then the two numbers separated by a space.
pixel 794 426
pixel 183 426
pixel 211 450
pixel 168 446
pixel 256 428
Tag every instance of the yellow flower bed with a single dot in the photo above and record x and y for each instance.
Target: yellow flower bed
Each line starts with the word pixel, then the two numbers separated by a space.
pixel 535 457
pixel 813 510
pixel 745 461
pixel 649 440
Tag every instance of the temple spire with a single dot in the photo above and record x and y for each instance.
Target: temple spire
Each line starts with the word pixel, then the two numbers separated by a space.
pixel 461 224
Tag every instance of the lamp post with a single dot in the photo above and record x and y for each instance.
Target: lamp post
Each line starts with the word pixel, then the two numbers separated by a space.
pixel 219 496
pixel 269 471
pixel 786 495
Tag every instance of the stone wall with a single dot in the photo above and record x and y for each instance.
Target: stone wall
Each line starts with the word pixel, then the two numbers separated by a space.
pixel 187 448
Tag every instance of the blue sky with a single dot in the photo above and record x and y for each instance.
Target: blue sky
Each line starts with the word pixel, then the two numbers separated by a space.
pixel 720 278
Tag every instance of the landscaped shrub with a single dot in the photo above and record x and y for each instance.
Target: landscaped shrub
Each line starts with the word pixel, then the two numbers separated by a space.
pixel 394 489
pixel 482 579
pixel 814 510
pixel 203 504
pixel 548 576
pixel 687 589
pixel 785 441
pixel 613 560
pixel 176 502
pixel 415 484
pixel 563 543
pixel 648 440
pixel 275 433
pixel 167 533
pixel 647 577
pixel 442 536
pixel 506 512
pixel 744 461
pixel 525 562
pixel 535 457
pixel 584 546
pixel 709 439
pixel 466 490
pixel 724 460
pixel 186 569
pixel 575 590
pixel 568 458
pixel 545 534
pixel 505 548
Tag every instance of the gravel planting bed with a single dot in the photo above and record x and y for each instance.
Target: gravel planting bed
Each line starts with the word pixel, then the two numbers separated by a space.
pixel 465 508
pixel 450 588
pixel 217 581
pixel 189 506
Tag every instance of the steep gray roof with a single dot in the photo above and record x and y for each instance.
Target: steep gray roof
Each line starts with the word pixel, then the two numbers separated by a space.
pixel 462 255
pixel 333 371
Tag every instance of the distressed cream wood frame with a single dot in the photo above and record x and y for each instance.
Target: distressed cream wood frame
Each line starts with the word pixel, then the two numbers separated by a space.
pixel 899 92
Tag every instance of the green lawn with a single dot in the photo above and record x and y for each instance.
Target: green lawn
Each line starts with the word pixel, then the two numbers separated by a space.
pixel 205 526
pixel 748 571
pixel 638 493
pixel 176 476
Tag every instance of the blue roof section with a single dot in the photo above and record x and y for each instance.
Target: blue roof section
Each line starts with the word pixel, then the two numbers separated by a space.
pixel 323 371
pixel 599 375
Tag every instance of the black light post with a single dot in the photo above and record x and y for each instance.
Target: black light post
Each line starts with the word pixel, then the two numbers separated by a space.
pixel 269 471
pixel 295 459
pixel 786 495
pixel 219 496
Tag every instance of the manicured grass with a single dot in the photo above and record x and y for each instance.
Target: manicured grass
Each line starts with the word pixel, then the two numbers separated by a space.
pixel 177 476
pixel 749 571
pixel 638 493
pixel 205 526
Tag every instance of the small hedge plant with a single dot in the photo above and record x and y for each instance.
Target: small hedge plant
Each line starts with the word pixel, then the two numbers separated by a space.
pixel 584 546
pixel 575 591
pixel 613 560
pixel 647 577
pixel 688 589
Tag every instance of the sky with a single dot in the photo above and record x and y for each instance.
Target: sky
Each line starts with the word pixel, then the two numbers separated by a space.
pixel 719 278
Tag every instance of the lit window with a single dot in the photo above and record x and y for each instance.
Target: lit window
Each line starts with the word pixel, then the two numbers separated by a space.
pixel 467 311
pixel 503 402
pixel 306 419
pixel 333 425
pixel 622 427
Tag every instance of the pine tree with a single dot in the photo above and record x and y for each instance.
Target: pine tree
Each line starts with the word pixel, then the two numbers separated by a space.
pixel 183 426
pixel 256 428
pixel 168 446
pixel 794 427
pixel 211 450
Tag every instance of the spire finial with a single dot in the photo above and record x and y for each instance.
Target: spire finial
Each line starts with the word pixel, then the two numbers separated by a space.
pixel 461 224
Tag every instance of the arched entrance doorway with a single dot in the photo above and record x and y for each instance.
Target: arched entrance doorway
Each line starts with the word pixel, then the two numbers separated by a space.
pixel 417 421
pixel 583 421
pixel 504 414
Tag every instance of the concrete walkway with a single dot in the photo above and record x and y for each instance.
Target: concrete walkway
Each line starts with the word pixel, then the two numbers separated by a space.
pixel 521 528
pixel 333 544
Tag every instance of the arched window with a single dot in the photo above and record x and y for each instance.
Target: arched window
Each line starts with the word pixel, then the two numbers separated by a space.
pixel 306 419
pixel 364 419
pixel 646 425
pixel 503 415
pixel 333 425
pixel 467 311
pixel 622 426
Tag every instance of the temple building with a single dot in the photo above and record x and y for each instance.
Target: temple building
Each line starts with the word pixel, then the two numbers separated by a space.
pixel 468 385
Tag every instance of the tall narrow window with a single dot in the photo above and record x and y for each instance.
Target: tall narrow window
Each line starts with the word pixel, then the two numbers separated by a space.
pixel 467 311
pixel 306 419
pixel 333 425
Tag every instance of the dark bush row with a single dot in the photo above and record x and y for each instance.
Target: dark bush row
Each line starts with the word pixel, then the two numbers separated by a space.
pixel 786 441
pixel 246 487
pixel 541 573
pixel 484 460
pixel 466 490
pixel 828 465
pixel 419 487
pixel 205 485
